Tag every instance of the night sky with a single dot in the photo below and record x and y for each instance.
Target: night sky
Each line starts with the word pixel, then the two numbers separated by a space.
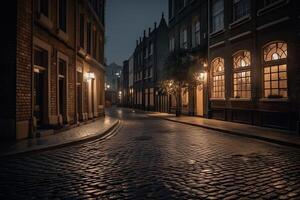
pixel 125 22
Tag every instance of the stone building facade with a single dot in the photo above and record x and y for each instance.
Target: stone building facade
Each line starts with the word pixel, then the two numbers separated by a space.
pixel 52 81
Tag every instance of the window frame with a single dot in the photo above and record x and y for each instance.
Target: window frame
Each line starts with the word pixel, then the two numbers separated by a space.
pixel 276 63
pixel 59 13
pixel 246 73
pixel 215 83
pixel 215 14
pixel 247 12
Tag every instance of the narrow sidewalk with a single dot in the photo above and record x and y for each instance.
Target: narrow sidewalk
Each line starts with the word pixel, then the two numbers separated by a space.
pixel 262 133
pixel 98 128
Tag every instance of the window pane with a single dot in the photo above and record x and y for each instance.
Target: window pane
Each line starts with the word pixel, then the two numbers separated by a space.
pixel 283 84
pixel 282 68
pixel 275 76
pixel 274 69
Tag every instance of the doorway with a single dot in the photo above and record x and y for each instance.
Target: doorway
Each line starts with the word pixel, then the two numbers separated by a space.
pixel 62 89
pixel 40 86
pixel 199 101
pixel 39 94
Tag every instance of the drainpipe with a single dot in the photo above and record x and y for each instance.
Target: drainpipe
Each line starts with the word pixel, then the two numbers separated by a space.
pixel 32 121
pixel 75 68
pixel 208 112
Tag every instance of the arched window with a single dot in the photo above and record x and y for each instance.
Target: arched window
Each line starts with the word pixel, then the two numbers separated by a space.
pixel 242 74
pixel 275 70
pixel 218 85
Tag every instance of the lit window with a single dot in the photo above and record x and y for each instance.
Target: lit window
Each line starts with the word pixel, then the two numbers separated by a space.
pixel 275 71
pixel 275 51
pixel 218 85
pixel 217 15
pixel 241 8
pixel 242 74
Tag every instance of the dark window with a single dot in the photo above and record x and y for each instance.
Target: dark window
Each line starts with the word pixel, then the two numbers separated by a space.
pixel 62 67
pixel 241 8
pixel 172 8
pixel 40 57
pixel 82 31
pixel 63 15
pixel 89 31
pixel 217 15
pixel 44 7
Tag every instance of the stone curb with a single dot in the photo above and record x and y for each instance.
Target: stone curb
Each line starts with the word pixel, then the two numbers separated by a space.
pixel 266 139
pixel 91 137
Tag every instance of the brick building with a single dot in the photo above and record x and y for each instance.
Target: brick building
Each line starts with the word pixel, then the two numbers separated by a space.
pixel 53 69
pixel 188 31
pixel 148 62
pixel 253 67
pixel 249 50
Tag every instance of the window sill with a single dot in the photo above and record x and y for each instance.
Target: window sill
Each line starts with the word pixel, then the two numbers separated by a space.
pixel 62 35
pixel 45 21
pixel 274 100
pixel 216 33
pixel 240 21
pixel 272 6
pixel 240 99
pixel 82 52
pixel 217 99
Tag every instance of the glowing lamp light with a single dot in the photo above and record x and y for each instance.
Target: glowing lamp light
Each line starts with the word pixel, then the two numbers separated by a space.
pixel 200 76
pixel 90 75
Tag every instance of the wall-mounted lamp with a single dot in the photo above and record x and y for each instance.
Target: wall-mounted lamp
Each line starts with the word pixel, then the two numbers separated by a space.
pixel 90 75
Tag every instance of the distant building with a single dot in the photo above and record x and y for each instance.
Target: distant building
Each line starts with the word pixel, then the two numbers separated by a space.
pixel 53 72
pixel 148 62
pixel 124 92
pixel 113 83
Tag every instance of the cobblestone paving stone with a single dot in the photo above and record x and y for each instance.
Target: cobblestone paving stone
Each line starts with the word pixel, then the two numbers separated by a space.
pixel 155 159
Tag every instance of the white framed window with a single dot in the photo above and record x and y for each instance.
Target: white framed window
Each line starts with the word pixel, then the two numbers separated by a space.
pixel 217 15
pixel 242 74
pixel 275 70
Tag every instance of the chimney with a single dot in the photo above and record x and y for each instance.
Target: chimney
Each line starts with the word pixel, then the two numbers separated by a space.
pixel 140 39
pixel 149 31
pixel 155 24
pixel 137 42
pixel 144 33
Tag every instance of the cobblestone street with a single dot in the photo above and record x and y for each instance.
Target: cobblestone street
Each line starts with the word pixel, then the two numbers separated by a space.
pixel 151 158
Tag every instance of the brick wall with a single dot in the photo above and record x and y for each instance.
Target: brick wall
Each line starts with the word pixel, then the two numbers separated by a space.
pixel 24 60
